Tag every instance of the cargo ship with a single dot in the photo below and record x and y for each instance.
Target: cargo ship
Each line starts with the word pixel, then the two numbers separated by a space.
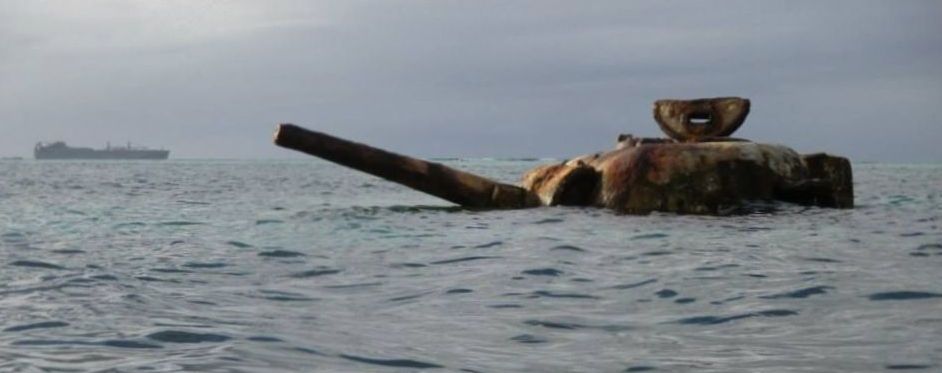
pixel 60 150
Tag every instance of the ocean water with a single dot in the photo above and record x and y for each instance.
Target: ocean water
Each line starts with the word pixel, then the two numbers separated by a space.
pixel 302 265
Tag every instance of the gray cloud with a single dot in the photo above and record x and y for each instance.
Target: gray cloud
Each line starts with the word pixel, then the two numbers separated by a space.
pixel 468 78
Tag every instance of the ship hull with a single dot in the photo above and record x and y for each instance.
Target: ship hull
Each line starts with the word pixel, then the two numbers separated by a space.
pixel 84 153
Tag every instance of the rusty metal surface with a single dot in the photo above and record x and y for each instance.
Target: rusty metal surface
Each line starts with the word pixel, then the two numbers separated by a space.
pixel 698 170
pixel 699 119
pixel 699 178
pixel 694 178
pixel 463 188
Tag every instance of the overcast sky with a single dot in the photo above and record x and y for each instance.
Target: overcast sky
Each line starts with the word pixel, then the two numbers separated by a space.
pixel 210 79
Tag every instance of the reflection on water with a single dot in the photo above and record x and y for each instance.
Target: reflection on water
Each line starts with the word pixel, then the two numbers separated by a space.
pixel 303 265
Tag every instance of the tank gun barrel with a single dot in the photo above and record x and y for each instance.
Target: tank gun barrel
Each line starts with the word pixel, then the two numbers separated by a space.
pixel 463 188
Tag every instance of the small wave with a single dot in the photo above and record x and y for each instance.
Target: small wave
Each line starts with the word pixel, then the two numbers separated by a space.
pixel 204 265
pixel 715 268
pixel 48 342
pixel 899 199
pixel 554 324
pixel 666 293
pixel 68 251
pixel 639 368
pixel 239 244
pixel 908 366
pixel 156 279
pixel 543 272
pixel 124 343
pixel 635 285
pixel 119 343
pixel 903 295
pixel 505 305
pixel 923 250
pixel 408 265
pixel 268 221
pixel 280 254
pixel 128 225
pixel 713 320
pixel 657 253
pixel 201 203
pixel 396 363
pixel 39 325
pixel 550 294
pixel 180 223
pixel 315 273
pixel 289 298
pixel 567 248
pixel 489 244
pixel 263 338
pixel 754 229
pixel 528 339
pixel 930 246
pixel 35 264
pixel 309 351
pixel 800 293
pixel 407 297
pixel 649 236
pixel 179 336
pixel 354 286
pixel 727 300
pixel 170 270
pixel 822 260
pixel 465 259
pixel 13 237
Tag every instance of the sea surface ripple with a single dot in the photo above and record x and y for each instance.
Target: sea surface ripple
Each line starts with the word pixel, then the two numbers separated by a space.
pixel 285 266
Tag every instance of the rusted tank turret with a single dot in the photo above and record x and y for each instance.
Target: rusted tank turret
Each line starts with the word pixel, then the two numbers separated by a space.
pixel 699 169
pixel 702 119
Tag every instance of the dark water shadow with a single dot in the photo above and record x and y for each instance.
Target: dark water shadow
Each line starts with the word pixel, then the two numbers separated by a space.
pixel 179 336
pixel 119 343
pixel 395 363
pixel 714 320
pixel 800 293
pixel 902 295
pixel 35 264
pixel 39 325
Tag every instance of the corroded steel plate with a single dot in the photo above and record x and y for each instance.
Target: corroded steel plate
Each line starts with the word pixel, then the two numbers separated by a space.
pixel 696 120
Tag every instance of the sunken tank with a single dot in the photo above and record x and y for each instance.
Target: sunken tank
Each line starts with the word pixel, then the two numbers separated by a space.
pixel 697 169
